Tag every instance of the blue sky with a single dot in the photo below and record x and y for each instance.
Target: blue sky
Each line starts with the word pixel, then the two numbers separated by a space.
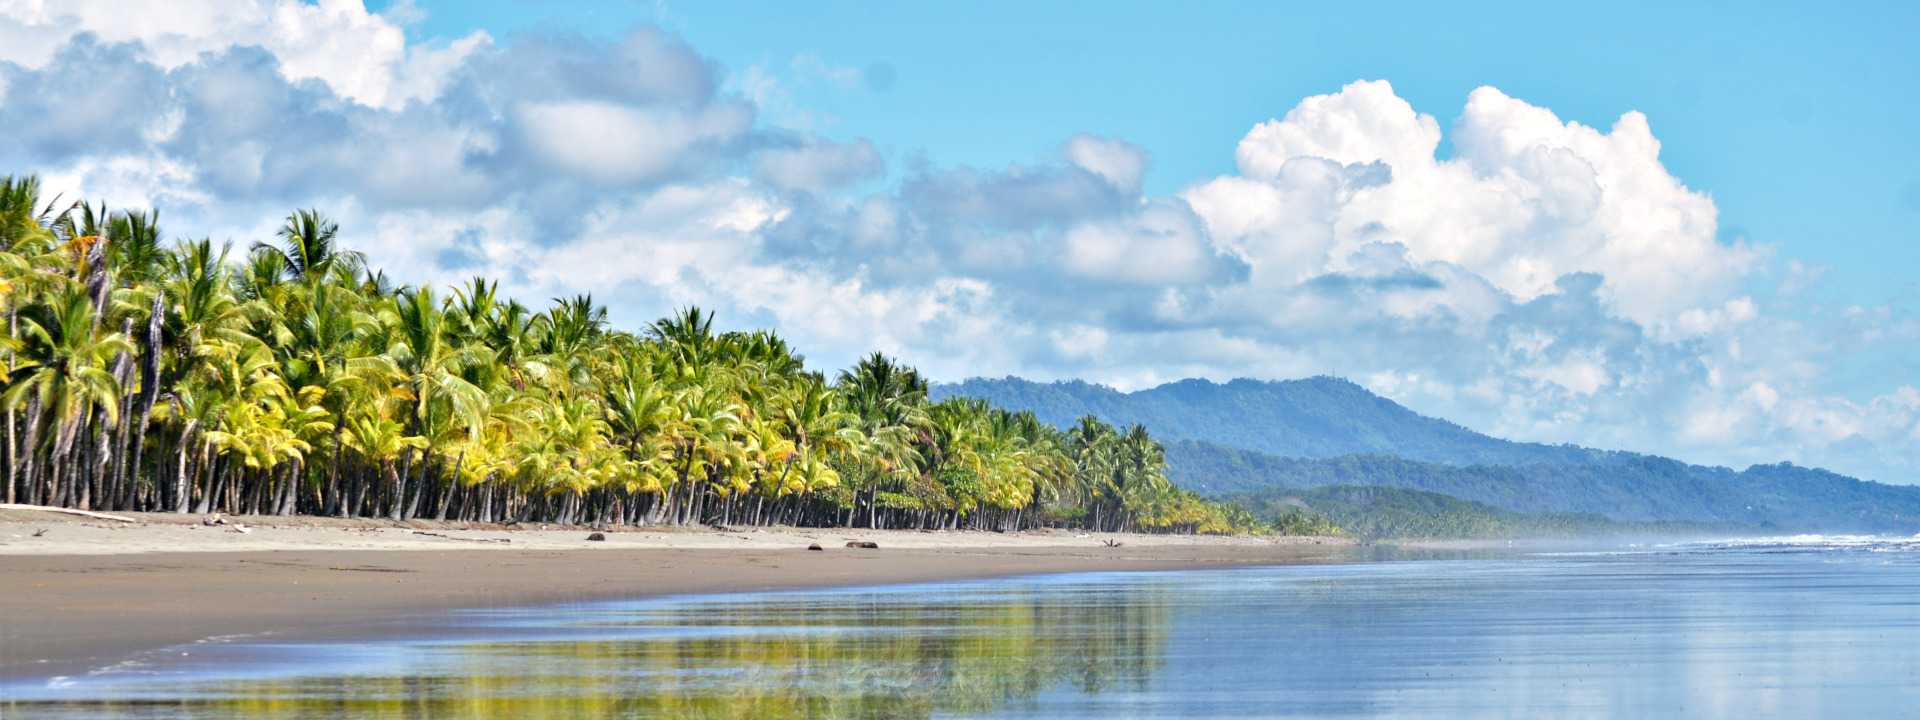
pixel 1794 116
pixel 1684 230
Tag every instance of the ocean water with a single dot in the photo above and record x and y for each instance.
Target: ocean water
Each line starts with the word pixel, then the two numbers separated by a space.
pixel 1808 626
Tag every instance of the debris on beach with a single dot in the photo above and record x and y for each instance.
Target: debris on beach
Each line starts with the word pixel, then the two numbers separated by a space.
pixel 68 511
pixel 597 537
pixel 461 539
pixel 866 544
pixel 816 547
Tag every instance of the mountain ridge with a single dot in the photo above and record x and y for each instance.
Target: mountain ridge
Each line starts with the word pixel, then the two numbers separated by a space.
pixel 1324 416
pixel 1251 435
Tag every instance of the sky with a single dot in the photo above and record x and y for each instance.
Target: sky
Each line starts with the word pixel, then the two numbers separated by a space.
pixel 1680 230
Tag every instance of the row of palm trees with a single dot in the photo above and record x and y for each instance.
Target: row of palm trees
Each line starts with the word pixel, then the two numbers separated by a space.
pixel 291 378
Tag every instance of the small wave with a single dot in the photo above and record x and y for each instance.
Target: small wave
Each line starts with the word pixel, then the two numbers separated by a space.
pixel 1808 542
pixel 1594 553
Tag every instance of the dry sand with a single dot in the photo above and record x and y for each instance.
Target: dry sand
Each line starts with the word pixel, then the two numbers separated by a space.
pixel 87 592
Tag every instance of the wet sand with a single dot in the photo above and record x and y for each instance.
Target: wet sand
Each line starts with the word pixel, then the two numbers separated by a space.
pixel 87 593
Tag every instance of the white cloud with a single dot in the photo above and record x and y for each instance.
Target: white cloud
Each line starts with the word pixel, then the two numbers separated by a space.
pixel 818 166
pixel 1080 341
pixel 612 142
pixel 1545 280
pixel 1526 199
pixel 362 55
pixel 1120 163
pixel 1362 123
pixel 1160 244
pixel 132 181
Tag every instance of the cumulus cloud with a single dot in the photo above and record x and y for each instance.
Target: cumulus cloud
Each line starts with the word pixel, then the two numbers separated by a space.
pixel 611 142
pixel 1160 244
pixel 818 166
pixel 1122 164
pixel 1542 280
pixel 1526 199
pixel 361 55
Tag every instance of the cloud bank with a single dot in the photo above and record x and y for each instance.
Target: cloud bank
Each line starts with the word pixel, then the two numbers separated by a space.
pixel 1541 279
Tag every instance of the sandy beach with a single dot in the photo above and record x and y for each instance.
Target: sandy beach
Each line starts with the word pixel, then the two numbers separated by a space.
pixel 78 593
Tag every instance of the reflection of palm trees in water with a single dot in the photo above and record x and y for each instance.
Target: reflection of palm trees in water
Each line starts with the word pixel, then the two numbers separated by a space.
pixel 852 656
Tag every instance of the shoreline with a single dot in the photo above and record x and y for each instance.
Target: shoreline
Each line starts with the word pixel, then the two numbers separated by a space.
pixel 88 593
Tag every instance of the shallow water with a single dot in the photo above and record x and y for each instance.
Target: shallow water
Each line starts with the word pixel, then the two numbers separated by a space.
pixel 1794 627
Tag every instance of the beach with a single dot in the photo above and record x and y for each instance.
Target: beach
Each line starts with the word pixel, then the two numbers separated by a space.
pixel 86 592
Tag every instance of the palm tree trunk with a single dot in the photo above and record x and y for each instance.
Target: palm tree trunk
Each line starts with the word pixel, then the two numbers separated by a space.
pixel 113 476
pixel 336 504
pixel 14 462
pixel 215 469
pixel 453 481
pixel 61 484
pixel 422 484
pixel 182 491
pixel 13 457
pixel 204 469
pixel 399 499
pixel 149 385
pixel 288 490
pixel 30 473
pixel 393 479
pixel 486 501
pixel 100 456
pixel 356 493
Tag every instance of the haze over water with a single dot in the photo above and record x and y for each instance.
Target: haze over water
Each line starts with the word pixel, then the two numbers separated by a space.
pixel 1797 627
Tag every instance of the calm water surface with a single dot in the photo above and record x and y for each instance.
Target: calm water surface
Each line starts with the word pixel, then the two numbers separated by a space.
pixel 1802 627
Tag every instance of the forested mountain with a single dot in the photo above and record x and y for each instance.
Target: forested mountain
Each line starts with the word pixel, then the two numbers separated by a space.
pixel 1619 486
pixel 1370 511
pixel 1246 436
pixel 1311 418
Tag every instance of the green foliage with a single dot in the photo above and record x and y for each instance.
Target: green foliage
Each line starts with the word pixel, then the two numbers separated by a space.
pixel 1623 488
pixel 1313 418
pixel 1383 512
pixel 299 380
pixel 1246 436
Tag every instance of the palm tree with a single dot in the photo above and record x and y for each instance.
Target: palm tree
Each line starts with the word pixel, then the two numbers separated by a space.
pixel 822 428
pixel 709 445
pixel 889 399
pixel 62 371
pixel 479 407
pixel 643 417
pixel 23 216
pixel 309 246
pixel 381 441
pixel 1091 445
pixel 421 356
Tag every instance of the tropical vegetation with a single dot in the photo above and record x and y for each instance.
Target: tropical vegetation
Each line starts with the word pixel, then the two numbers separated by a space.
pixel 1249 436
pixel 1373 512
pixel 288 376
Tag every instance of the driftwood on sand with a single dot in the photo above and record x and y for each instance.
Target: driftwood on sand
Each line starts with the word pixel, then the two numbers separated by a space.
pixel 68 511
pixel 462 539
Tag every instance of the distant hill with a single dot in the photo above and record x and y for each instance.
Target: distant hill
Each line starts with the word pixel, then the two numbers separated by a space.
pixel 1623 487
pixel 1312 418
pixel 1369 511
pixel 1250 436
